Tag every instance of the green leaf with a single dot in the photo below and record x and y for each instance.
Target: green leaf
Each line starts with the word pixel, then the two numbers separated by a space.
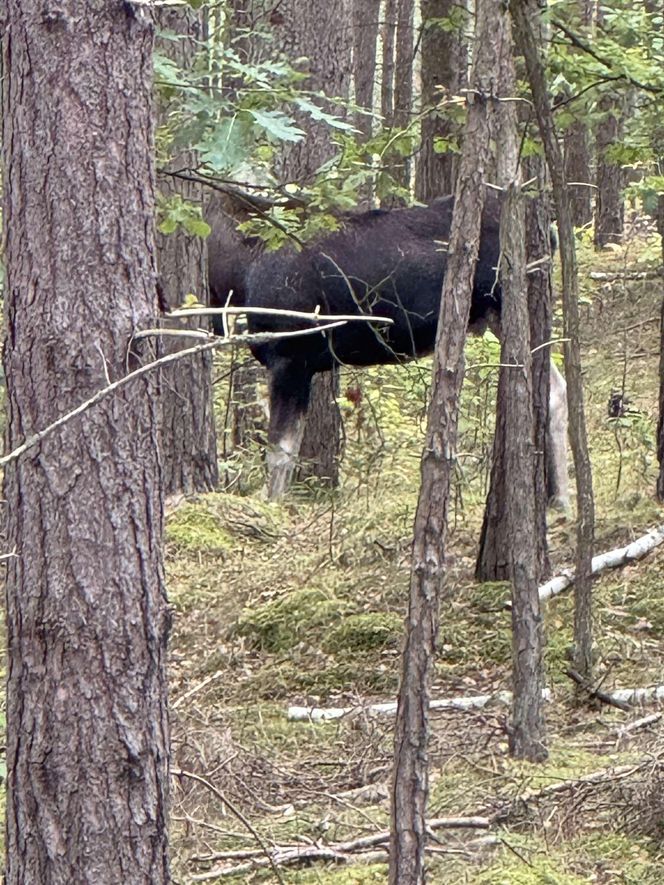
pixel 277 124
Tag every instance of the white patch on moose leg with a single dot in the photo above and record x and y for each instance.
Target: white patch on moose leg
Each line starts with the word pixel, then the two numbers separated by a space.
pixel 557 432
pixel 282 458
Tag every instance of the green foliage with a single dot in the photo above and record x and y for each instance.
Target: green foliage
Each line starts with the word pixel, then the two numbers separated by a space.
pixel 174 212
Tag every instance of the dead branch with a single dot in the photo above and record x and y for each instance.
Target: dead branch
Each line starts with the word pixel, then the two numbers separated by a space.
pixel 611 559
pixel 183 312
pixel 596 693
pixel 178 772
pixel 337 852
pixel 615 276
pixel 110 389
pixel 323 714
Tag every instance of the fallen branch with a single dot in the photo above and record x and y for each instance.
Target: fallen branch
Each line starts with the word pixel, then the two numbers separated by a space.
pixel 178 772
pixel 323 714
pixel 611 559
pixel 638 724
pixel 312 316
pixel 614 276
pixel 337 852
pixel 596 693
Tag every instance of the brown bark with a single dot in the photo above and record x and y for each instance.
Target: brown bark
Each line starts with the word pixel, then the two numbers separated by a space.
pixel 388 33
pixel 87 742
pixel 365 32
pixel 527 727
pixel 522 13
pixel 660 426
pixel 188 438
pixel 609 205
pixel 320 31
pixel 444 60
pixel 577 141
pixel 409 794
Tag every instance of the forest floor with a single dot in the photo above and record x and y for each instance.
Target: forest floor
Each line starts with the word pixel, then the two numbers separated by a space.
pixel 302 603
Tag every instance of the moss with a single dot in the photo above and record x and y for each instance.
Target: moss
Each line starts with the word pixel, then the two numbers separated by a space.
pixel 635 860
pixel 365 632
pixel 195 529
pixel 300 616
pixel 511 870
pixel 356 875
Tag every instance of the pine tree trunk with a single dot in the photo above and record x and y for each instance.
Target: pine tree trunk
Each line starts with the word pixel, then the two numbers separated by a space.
pixel 365 32
pixel 409 794
pixel 444 62
pixel 526 739
pixel 320 31
pixel 87 736
pixel 188 438
pixel 609 206
pixel 660 426
pixel 522 14
pixel 577 143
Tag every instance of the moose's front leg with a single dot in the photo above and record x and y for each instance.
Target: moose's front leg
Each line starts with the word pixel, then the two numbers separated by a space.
pixel 290 387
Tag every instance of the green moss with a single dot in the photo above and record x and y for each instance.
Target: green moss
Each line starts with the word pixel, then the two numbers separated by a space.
pixel 356 875
pixel 635 859
pixel 194 528
pixel 368 631
pixel 300 616
pixel 511 870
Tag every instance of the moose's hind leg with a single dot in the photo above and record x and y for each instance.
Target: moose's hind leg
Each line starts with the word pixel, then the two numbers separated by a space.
pixel 290 386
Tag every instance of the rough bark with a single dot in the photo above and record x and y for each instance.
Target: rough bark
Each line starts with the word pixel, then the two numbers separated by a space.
pixel 577 143
pixel 493 558
pixel 521 13
pixel 321 32
pixel 609 205
pixel 410 787
pixel 388 35
pixel 527 730
pixel 365 33
pixel 87 737
pixel 444 62
pixel 660 426
pixel 188 439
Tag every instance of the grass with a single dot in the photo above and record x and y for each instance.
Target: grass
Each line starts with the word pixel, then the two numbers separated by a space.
pixel 303 602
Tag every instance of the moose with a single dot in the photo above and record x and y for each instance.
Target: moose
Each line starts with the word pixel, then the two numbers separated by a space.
pixel 387 263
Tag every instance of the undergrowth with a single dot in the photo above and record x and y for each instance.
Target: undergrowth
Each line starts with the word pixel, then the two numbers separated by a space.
pixel 303 602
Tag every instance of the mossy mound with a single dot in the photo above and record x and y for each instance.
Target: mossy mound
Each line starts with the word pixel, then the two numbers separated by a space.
pixel 299 617
pixel 369 631
pixel 194 528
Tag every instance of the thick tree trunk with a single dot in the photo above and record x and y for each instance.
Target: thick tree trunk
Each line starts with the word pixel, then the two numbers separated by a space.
pixel 409 795
pixel 188 439
pixel 522 13
pixel 87 737
pixel 444 61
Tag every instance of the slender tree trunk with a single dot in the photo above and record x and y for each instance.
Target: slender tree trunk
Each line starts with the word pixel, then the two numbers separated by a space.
pixel 409 795
pixel 660 426
pixel 388 33
pixel 496 537
pixel 577 143
pixel 188 438
pixel 87 737
pixel 527 727
pixel 444 61
pixel 522 13
pixel 609 206
pixel 365 32
pixel 320 31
